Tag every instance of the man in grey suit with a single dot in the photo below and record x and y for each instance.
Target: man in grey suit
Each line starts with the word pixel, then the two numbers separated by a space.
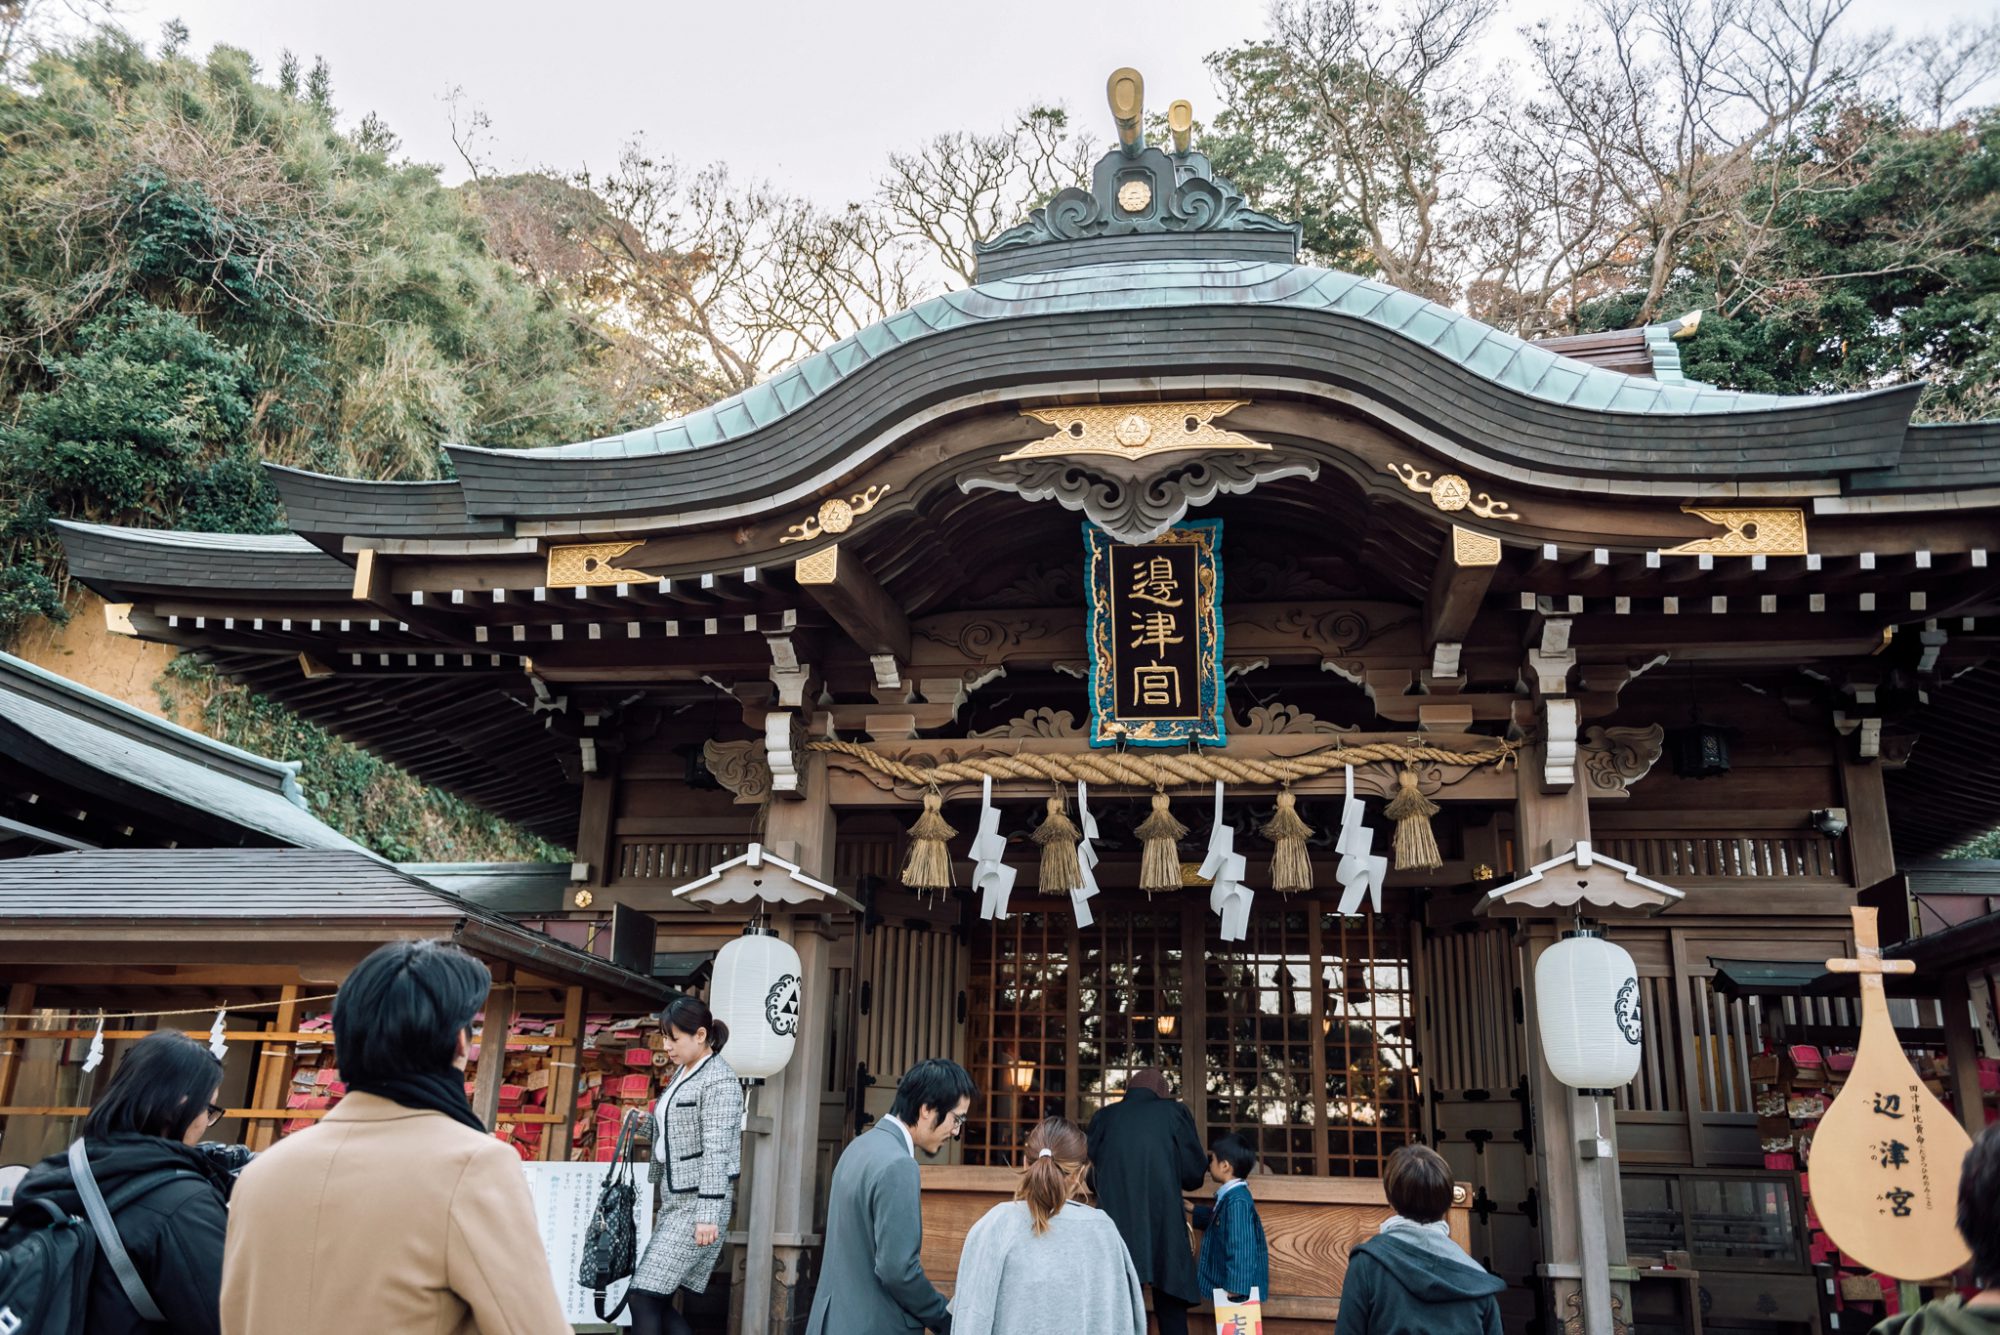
pixel 871 1280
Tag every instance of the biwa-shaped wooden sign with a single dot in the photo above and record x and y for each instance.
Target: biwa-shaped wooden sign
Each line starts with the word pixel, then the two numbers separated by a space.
pixel 1885 1160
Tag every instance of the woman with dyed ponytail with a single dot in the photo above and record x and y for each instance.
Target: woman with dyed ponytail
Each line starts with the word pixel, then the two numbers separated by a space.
pixel 1045 1263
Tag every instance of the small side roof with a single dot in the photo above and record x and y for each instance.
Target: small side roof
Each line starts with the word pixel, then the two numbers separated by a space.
pixel 280 893
pixel 92 741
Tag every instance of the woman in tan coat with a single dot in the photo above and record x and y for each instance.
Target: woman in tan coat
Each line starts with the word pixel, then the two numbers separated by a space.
pixel 398 1214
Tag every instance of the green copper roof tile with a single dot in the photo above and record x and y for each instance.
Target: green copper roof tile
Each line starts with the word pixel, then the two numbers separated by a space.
pixel 1428 325
pixel 818 373
pixel 1399 309
pixel 1462 337
pixel 790 390
pixel 1493 355
pixel 877 339
pixel 1327 290
pixel 1635 396
pixel 1364 299
pixel 1527 368
pixel 704 428
pixel 1595 391
pixel 1679 399
pixel 1562 382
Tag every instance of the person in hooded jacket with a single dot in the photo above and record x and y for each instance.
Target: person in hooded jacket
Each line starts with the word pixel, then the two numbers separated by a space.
pixel 1979 1225
pixel 161 1101
pixel 1144 1152
pixel 1411 1278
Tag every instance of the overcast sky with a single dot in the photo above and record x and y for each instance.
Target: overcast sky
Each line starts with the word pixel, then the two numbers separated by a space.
pixel 810 96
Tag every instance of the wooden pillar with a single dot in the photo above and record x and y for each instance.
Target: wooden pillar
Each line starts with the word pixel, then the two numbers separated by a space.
pixel 1870 851
pixel 784 1149
pixel 597 829
pixel 1575 1140
pixel 20 1001
pixel 1963 1051
pixel 556 1136
pixel 274 1071
pixel 493 1054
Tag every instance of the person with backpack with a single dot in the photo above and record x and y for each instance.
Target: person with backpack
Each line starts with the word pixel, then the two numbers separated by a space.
pixel 166 1199
pixel 397 1213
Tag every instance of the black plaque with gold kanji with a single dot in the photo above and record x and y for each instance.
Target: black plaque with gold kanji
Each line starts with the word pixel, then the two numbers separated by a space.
pixel 1156 637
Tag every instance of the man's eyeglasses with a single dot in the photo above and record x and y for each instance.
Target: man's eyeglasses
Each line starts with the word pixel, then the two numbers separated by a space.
pixel 958 1121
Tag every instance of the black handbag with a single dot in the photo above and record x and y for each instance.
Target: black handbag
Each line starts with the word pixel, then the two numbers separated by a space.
pixel 611 1243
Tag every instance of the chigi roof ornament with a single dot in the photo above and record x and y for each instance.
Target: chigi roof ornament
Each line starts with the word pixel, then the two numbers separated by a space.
pixel 1139 190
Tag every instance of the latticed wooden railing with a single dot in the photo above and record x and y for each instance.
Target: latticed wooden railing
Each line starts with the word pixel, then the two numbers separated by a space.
pixel 652 858
pixel 1668 854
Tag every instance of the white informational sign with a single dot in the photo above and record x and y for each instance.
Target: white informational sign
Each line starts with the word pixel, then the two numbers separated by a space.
pixel 565 1197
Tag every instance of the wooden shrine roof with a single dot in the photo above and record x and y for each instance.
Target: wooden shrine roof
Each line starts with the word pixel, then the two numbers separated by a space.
pixel 136 770
pixel 113 893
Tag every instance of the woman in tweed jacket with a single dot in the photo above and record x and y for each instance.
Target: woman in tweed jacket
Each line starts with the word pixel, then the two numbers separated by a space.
pixel 697 1156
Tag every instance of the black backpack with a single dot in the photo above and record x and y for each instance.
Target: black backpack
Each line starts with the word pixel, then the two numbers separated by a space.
pixel 46 1256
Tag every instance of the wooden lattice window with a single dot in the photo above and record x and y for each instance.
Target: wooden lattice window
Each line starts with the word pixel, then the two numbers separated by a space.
pixel 1373 1100
pixel 1130 1004
pixel 1019 1024
pixel 1302 1035
pixel 1262 1040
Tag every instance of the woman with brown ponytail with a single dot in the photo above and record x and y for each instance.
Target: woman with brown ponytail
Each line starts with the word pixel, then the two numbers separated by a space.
pixel 1045 1263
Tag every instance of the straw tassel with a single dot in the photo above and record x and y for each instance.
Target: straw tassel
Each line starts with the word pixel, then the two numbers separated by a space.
pixel 1160 868
pixel 1291 869
pixel 929 864
pixel 1058 835
pixel 1416 846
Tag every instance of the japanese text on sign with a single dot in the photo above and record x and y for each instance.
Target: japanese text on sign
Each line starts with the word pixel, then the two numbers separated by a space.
pixel 1155 637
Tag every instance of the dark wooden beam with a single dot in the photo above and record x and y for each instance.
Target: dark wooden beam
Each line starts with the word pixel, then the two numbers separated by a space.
pixel 857 602
pixel 1459 587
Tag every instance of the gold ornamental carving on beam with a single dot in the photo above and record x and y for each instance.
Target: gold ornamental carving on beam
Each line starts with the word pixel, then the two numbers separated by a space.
pixel 589 565
pixel 835 515
pixel 1134 430
pixel 1472 548
pixel 1780 532
pixel 1451 493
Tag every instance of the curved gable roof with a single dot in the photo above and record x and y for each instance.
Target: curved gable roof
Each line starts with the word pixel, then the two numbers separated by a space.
pixel 1493 394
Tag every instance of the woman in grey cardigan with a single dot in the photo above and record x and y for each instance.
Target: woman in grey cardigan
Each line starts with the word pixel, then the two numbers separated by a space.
pixel 697 1155
pixel 1045 1263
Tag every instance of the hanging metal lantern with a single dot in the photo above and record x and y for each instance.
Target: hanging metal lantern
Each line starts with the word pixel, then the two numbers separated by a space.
pixel 1587 1002
pixel 755 991
pixel 1700 750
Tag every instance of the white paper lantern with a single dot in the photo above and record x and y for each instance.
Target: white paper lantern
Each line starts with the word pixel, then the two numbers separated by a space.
pixel 755 991
pixel 1587 998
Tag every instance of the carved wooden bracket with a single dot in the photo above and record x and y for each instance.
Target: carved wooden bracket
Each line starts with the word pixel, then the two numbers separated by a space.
pixel 1616 758
pixel 740 768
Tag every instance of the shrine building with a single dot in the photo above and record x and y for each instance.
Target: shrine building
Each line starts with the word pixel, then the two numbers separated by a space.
pixel 1154 506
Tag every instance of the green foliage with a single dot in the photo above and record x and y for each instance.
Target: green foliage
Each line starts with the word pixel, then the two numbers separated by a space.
pixel 1267 140
pixel 1882 266
pixel 369 800
pixel 199 273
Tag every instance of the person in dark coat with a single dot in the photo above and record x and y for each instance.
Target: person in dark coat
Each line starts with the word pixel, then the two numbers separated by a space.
pixel 1144 1153
pixel 1411 1278
pixel 160 1103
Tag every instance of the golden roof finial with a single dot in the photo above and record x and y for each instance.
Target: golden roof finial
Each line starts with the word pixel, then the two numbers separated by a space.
pixel 1180 120
pixel 1126 91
